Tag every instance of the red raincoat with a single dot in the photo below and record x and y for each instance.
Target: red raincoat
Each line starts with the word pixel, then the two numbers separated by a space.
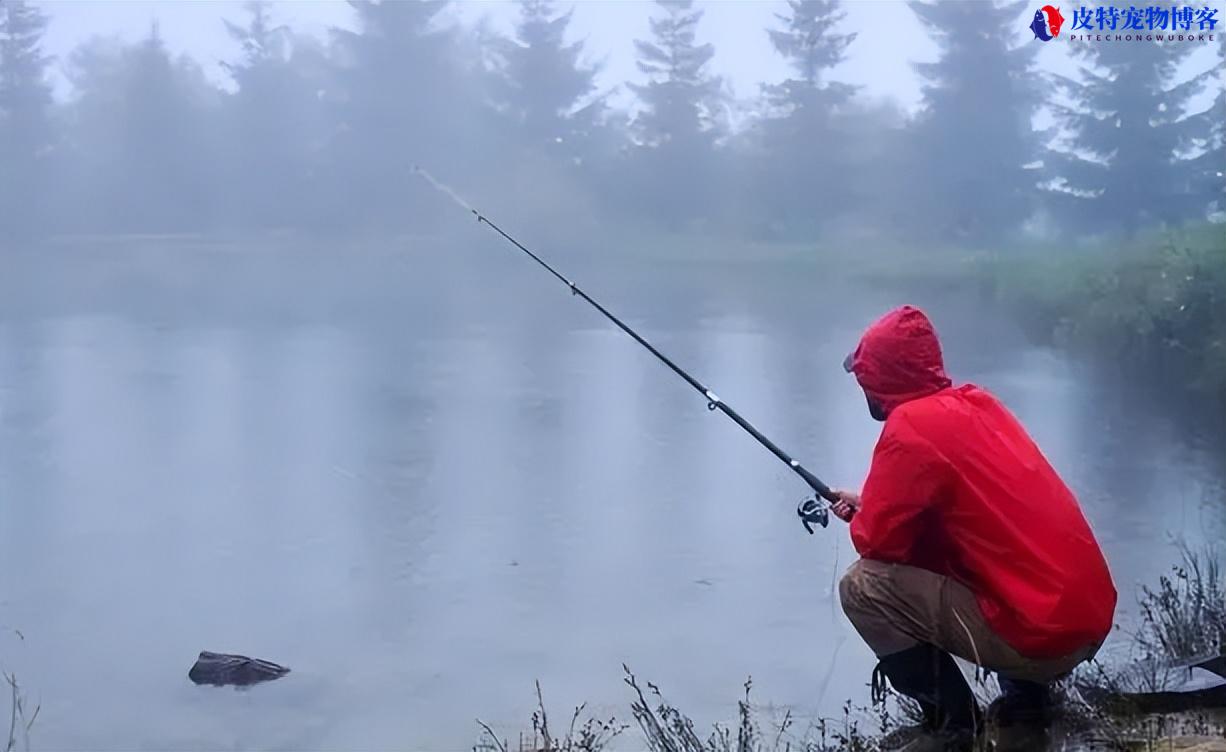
pixel 958 487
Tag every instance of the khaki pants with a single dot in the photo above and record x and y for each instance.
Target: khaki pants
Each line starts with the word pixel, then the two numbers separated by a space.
pixel 895 607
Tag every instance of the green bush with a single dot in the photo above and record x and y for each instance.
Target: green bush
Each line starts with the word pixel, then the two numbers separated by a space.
pixel 1158 304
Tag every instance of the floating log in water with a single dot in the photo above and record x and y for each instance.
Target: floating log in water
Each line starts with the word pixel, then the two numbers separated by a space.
pixel 225 670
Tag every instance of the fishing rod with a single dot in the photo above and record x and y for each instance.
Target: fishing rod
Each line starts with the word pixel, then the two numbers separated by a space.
pixel 811 510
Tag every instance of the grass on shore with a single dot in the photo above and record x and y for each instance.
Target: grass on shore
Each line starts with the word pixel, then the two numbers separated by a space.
pixel 21 716
pixel 1182 616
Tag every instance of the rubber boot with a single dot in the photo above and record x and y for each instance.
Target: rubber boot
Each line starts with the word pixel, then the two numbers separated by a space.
pixel 931 677
pixel 1021 702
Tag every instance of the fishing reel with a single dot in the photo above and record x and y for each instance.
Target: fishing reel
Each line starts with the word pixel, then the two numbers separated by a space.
pixel 813 511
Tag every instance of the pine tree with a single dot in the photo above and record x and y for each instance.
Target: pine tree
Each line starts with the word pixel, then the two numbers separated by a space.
pixel 143 129
pixel 681 100
pixel 973 145
pixel 800 130
pixel 1122 166
pixel 274 121
pixel 811 46
pixel 261 42
pixel 1205 137
pixel 26 139
pixel 409 92
pixel 679 122
pixel 545 82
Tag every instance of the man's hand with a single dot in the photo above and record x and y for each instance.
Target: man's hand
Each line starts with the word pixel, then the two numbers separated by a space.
pixel 847 505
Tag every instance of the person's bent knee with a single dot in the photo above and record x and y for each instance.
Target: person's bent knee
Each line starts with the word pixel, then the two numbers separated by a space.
pixel 851 590
pixel 866 603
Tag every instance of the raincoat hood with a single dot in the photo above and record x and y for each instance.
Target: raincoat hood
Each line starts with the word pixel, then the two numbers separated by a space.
pixel 899 359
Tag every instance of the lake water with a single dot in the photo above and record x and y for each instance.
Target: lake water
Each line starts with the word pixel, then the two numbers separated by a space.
pixel 423 486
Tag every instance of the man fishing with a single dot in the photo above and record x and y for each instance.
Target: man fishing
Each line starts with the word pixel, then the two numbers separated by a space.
pixel 971 545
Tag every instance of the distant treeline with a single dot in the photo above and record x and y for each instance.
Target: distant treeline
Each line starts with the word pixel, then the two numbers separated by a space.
pixel 319 136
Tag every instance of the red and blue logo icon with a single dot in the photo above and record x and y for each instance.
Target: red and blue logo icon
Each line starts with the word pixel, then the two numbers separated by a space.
pixel 1047 22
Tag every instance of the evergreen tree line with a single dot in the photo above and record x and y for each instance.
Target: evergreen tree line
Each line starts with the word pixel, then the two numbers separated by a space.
pixel 320 135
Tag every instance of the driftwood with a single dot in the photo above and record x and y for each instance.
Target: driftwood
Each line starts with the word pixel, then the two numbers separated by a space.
pixel 1156 686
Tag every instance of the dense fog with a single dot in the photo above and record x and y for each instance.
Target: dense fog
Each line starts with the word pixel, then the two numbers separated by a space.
pixel 316 132
pixel 266 390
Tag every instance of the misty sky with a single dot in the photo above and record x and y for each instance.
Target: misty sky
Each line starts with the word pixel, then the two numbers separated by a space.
pixel 879 60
